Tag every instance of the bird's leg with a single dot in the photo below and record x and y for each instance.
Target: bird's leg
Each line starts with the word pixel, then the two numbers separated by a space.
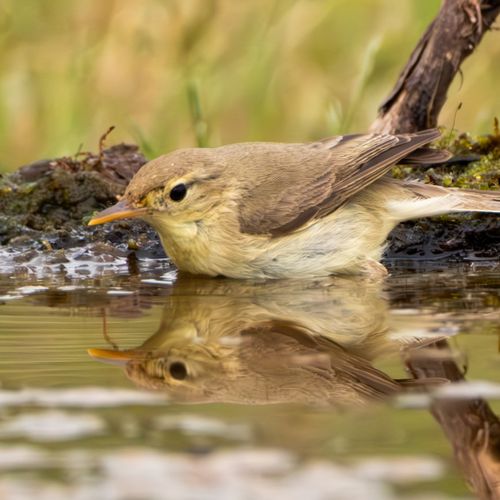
pixel 374 269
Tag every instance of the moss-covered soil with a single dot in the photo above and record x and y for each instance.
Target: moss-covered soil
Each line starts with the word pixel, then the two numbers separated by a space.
pixel 44 208
pixel 475 163
pixel 456 237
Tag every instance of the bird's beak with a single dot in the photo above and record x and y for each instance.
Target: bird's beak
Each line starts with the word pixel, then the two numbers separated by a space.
pixel 121 210
pixel 116 357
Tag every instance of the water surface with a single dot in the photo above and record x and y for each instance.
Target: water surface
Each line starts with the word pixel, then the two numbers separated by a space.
pixel 133 382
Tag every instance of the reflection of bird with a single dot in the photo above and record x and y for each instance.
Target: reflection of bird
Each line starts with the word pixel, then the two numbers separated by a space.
pixel 259 210
pixel 233 341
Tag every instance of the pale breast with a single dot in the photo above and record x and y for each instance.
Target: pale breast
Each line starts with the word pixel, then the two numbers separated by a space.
pixel 212 247
pixel 338 243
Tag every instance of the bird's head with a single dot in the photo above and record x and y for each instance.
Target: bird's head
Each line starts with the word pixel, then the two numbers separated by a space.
pixel 180 187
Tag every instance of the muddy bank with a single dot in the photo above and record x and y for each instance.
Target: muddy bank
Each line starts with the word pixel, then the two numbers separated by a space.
pixel 452 239
pixel 44 208
pixel 455 237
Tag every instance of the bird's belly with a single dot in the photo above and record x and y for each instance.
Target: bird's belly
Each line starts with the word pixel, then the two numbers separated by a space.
pixel 339 243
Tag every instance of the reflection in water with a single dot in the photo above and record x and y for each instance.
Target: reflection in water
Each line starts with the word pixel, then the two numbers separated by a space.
pixel 227 341
pixel 329 342
pixel 470 425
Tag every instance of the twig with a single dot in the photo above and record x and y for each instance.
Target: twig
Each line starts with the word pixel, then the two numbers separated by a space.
pixel 420 92
pixel 102 142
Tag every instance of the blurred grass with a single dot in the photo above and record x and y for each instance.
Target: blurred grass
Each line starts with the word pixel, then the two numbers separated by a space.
pixel 173 73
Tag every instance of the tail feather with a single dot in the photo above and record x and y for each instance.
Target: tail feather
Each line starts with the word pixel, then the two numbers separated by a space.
pixel 477 201
pixel 426 200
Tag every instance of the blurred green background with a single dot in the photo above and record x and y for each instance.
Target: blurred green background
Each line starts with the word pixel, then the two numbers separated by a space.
pixel 173 73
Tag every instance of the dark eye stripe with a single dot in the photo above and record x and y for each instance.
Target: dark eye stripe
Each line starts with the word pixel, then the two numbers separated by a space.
pixel 177 193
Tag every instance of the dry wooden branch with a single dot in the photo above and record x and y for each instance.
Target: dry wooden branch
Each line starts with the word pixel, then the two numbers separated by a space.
pixel 420 92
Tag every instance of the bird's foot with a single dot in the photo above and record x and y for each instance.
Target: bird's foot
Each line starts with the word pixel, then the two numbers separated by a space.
pixel 374 270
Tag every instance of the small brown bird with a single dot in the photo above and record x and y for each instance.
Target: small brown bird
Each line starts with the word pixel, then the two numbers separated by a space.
pixel 266 343
pixel 292 341
pixel 272 210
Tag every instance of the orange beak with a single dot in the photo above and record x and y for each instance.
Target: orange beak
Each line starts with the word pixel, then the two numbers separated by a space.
pixel 121 210
pixel 115 357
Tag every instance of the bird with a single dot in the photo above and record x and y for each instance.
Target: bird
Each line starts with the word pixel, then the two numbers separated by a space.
pixel 291 341
pixel 264 210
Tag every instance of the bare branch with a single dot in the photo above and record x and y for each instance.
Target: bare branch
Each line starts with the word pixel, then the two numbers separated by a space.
pixel 420 92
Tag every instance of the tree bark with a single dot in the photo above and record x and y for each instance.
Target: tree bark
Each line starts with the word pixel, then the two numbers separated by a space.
pixel 420 92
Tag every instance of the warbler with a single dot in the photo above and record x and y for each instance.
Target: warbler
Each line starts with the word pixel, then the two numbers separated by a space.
pixel 237 341
pixel 301 341
pixel 275 210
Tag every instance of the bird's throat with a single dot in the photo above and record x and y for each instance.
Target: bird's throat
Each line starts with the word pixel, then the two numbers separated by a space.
pixel 186 244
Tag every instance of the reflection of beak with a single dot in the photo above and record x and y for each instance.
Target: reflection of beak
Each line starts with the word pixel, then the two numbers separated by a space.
pixel 121 210
pixel 116 357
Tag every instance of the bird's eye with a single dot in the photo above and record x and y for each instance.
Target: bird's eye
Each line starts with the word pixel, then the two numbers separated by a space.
pixel 178 370
pixel 177 193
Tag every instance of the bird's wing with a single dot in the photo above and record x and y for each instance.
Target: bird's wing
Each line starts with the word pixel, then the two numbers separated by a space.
pixel 300 182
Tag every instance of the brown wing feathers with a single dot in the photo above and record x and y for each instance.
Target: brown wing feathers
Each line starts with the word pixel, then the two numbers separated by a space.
pixel 381 158
pixel 358 161
pixel 427 156
pixel 313 180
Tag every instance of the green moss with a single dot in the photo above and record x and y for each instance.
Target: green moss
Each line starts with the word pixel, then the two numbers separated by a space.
pixel 475 163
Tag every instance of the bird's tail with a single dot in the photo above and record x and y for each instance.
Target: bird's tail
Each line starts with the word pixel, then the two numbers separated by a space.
pixel 425 200
pixel 470 200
